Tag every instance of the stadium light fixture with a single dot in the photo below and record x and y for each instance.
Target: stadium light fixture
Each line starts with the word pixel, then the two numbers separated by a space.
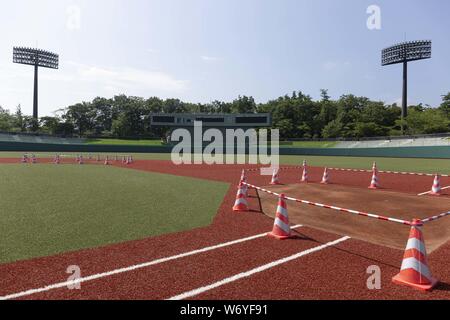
pixel 404 53
pixel 37 58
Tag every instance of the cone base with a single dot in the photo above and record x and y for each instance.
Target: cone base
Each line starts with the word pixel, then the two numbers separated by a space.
pixel 240 209
pixel 278 237
pixel 423 287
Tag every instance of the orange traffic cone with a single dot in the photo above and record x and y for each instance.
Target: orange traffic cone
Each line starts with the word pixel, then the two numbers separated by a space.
pixel 243 176
pixel 241 203
pixel 326 177
pixel 374 184
pixel 374 167
pixel 275 177
pixel 414 271
pixel 305 174
pixel 281 228
pixel 436 188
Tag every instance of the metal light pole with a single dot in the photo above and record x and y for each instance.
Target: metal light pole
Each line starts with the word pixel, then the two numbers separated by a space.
pixel 37 58
pixel 404 53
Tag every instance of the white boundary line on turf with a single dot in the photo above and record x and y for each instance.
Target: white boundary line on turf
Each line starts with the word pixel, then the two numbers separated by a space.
pixel 424 193
pixel 131 268
pixel 195 292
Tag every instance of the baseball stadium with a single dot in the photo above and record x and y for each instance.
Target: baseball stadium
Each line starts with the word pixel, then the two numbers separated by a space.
pixel 354 203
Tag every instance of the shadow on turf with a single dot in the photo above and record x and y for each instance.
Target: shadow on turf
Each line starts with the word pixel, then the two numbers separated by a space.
pixel 442 286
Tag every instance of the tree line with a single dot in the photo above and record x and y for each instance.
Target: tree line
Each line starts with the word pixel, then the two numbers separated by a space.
pixel 296 116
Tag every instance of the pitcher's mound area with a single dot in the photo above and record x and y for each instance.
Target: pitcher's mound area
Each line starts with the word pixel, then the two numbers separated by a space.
pixel 386 203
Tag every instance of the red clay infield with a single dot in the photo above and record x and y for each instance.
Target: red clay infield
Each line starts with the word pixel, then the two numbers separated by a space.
pixel 337 272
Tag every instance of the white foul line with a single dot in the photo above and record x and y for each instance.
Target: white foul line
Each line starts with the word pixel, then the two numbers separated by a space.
pixel 424 193
pixel 130 268
pixel 262 268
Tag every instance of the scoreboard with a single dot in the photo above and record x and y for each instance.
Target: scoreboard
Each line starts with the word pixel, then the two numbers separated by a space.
pixel 220 121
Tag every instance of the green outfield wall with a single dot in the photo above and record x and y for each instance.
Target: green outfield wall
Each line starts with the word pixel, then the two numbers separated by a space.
pixel 438 152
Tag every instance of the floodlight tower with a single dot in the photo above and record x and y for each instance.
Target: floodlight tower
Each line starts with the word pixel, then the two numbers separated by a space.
pixel 404 53
pixel 37 58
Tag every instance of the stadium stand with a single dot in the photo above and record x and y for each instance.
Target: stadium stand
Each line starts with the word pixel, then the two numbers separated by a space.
pixel 387 143
pixel 31 138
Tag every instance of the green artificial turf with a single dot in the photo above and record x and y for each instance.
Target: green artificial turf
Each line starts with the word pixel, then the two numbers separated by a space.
pixel 125 142
pixel 48 209
pixel 311 144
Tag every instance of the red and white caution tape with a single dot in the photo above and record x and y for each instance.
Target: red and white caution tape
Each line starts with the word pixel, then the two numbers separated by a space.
pixel 360 170
pixel 391 172
pixel 434 218
pixel 355 212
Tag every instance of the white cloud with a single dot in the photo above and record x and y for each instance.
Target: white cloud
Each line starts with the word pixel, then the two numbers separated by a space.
pixel 125 78
pixel 331 65
pixel 210 58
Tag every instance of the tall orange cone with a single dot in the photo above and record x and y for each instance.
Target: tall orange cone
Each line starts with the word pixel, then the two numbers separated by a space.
pixel 436 189
pixel 374 184
pixel 275 177
pixel 281 228
pixel 305 174
pixel 374 167
pixel 241 203
pixel 326 177
pixel 414 271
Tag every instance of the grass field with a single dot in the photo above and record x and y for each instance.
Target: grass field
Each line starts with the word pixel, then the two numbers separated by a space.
pixel 124 142
pixel 49 209
pixel 311 144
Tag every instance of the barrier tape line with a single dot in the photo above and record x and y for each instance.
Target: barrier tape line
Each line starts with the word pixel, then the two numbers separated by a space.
pixel 434 218
pixel 357 170
pixel 360 213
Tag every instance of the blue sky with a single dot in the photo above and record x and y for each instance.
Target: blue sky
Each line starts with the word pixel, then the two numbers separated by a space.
pixel 203 50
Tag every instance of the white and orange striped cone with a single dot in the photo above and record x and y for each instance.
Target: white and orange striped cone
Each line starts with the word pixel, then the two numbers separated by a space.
pixel 241 203
pixel 415 271
pixel 305 174
pixel 243 176
pixel 326 177
pixel 374 184
pixel 107 161
pixel 374 167
pixel 281 228
pixel 275 177
pixel 436 189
